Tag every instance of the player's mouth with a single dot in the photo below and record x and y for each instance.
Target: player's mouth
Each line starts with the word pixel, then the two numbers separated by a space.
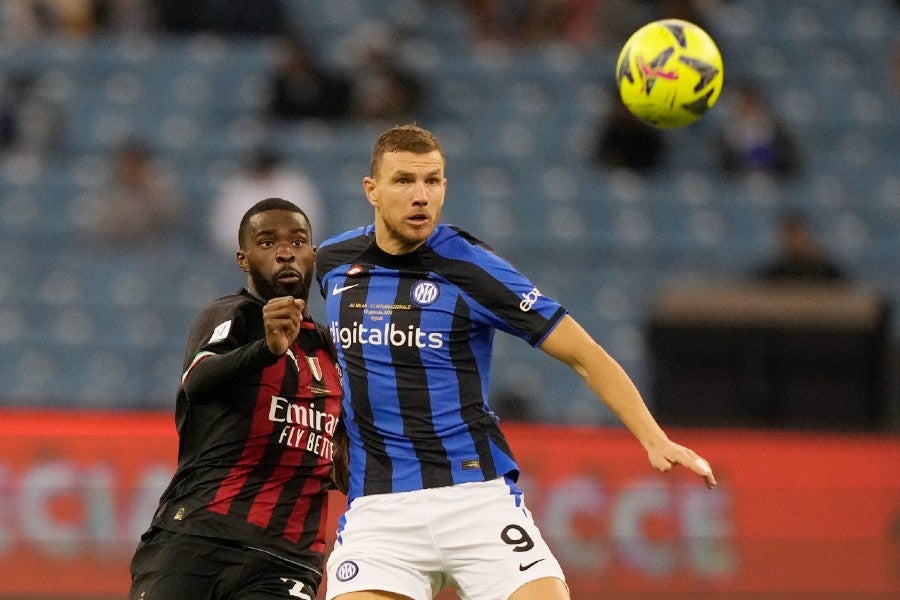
pixel 418 219
pixel 288 276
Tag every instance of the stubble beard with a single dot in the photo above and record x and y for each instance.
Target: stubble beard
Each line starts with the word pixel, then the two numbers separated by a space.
pixel 273 288
pixel 410 240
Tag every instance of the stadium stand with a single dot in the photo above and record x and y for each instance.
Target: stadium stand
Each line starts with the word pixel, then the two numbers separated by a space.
pixel 95 328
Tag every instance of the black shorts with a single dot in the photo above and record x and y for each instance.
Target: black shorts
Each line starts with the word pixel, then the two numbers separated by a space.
pixel 177 566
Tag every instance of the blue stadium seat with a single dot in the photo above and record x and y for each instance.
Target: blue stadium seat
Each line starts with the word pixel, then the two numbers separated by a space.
pixel 516 125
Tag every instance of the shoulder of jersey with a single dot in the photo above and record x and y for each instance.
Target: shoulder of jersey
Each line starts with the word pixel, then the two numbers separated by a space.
pixel 231 301
pixel 226 306
pixel 341 248
pixel 347 236
pixel 457 239
pixel 225 309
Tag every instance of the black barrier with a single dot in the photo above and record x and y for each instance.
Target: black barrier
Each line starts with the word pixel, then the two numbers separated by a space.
pixel 771 356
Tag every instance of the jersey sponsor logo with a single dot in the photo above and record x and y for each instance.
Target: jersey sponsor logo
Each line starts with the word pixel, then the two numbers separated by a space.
pixel 355 270
pixel 529 299
pixel 337 290
pixel 387 335
pixel 282 410
pixel 346 571
pixel 425 292
pixel 220 332
pixel 305 426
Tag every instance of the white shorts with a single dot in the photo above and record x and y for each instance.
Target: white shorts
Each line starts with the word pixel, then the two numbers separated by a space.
pixel 476 537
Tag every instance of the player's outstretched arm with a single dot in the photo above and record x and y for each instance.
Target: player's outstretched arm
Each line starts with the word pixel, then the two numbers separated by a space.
pixel 571 344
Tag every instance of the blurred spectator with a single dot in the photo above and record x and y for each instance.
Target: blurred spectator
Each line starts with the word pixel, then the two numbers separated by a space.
pixel 77 18
pixel 138 203
pixel 225 17
pixel 303 89
pixel 754 140
pixel 247 17
pixel 177 16
pixel 585 23
pixel 39 18
pixel 262 176
pixel 626 142
pixel 613 22
pixel 122 16
pixel 383 90
pixel 686 10
pixel 29 121
pixel 800 259
pixel 497 20
pixel 530 21
pixel 14 92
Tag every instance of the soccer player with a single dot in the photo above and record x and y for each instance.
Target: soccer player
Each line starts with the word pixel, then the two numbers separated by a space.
pixel 256 412
pixel 413 306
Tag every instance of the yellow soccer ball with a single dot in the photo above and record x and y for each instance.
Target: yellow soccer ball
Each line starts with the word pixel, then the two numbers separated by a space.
pixel 669 73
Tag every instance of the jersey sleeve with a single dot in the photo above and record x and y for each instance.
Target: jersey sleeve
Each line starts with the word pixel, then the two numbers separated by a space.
pixel 499 295
pixel 222 351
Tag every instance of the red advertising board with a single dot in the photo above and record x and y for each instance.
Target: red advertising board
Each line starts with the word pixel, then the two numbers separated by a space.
pixel 794 515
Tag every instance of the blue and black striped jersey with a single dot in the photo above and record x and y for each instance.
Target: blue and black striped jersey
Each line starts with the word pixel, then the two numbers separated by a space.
pixel 414 335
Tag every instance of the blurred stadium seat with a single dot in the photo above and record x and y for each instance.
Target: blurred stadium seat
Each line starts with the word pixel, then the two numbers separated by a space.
pixel 515 122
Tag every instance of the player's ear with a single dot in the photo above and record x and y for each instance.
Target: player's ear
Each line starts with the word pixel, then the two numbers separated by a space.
pixel 241 259
pixel 369 189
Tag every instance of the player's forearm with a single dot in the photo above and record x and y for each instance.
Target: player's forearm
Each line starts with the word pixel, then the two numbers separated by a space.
pixel 571 344
pixel 614 387
pixel 218 371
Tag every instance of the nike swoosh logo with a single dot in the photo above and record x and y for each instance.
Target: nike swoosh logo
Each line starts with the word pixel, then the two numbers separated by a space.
pixel 529 565
pixel 337 290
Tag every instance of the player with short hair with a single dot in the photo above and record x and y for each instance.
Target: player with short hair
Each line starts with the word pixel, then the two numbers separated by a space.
pixel 413 306
pixel 256 414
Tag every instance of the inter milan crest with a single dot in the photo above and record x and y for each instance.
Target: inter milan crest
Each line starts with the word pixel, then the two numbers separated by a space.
pixel 425 292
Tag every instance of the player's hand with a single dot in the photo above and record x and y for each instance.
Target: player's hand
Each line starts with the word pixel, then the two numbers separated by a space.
pixel 281 319
pixel 664 456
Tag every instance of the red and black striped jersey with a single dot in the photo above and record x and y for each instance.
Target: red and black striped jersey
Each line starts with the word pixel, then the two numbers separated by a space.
pixel 255 434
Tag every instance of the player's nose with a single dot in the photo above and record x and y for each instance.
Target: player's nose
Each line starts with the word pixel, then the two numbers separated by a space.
pixel 284 253
pixel 420 193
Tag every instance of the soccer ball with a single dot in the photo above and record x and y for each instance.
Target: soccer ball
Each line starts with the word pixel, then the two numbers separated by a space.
pixel 669 73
